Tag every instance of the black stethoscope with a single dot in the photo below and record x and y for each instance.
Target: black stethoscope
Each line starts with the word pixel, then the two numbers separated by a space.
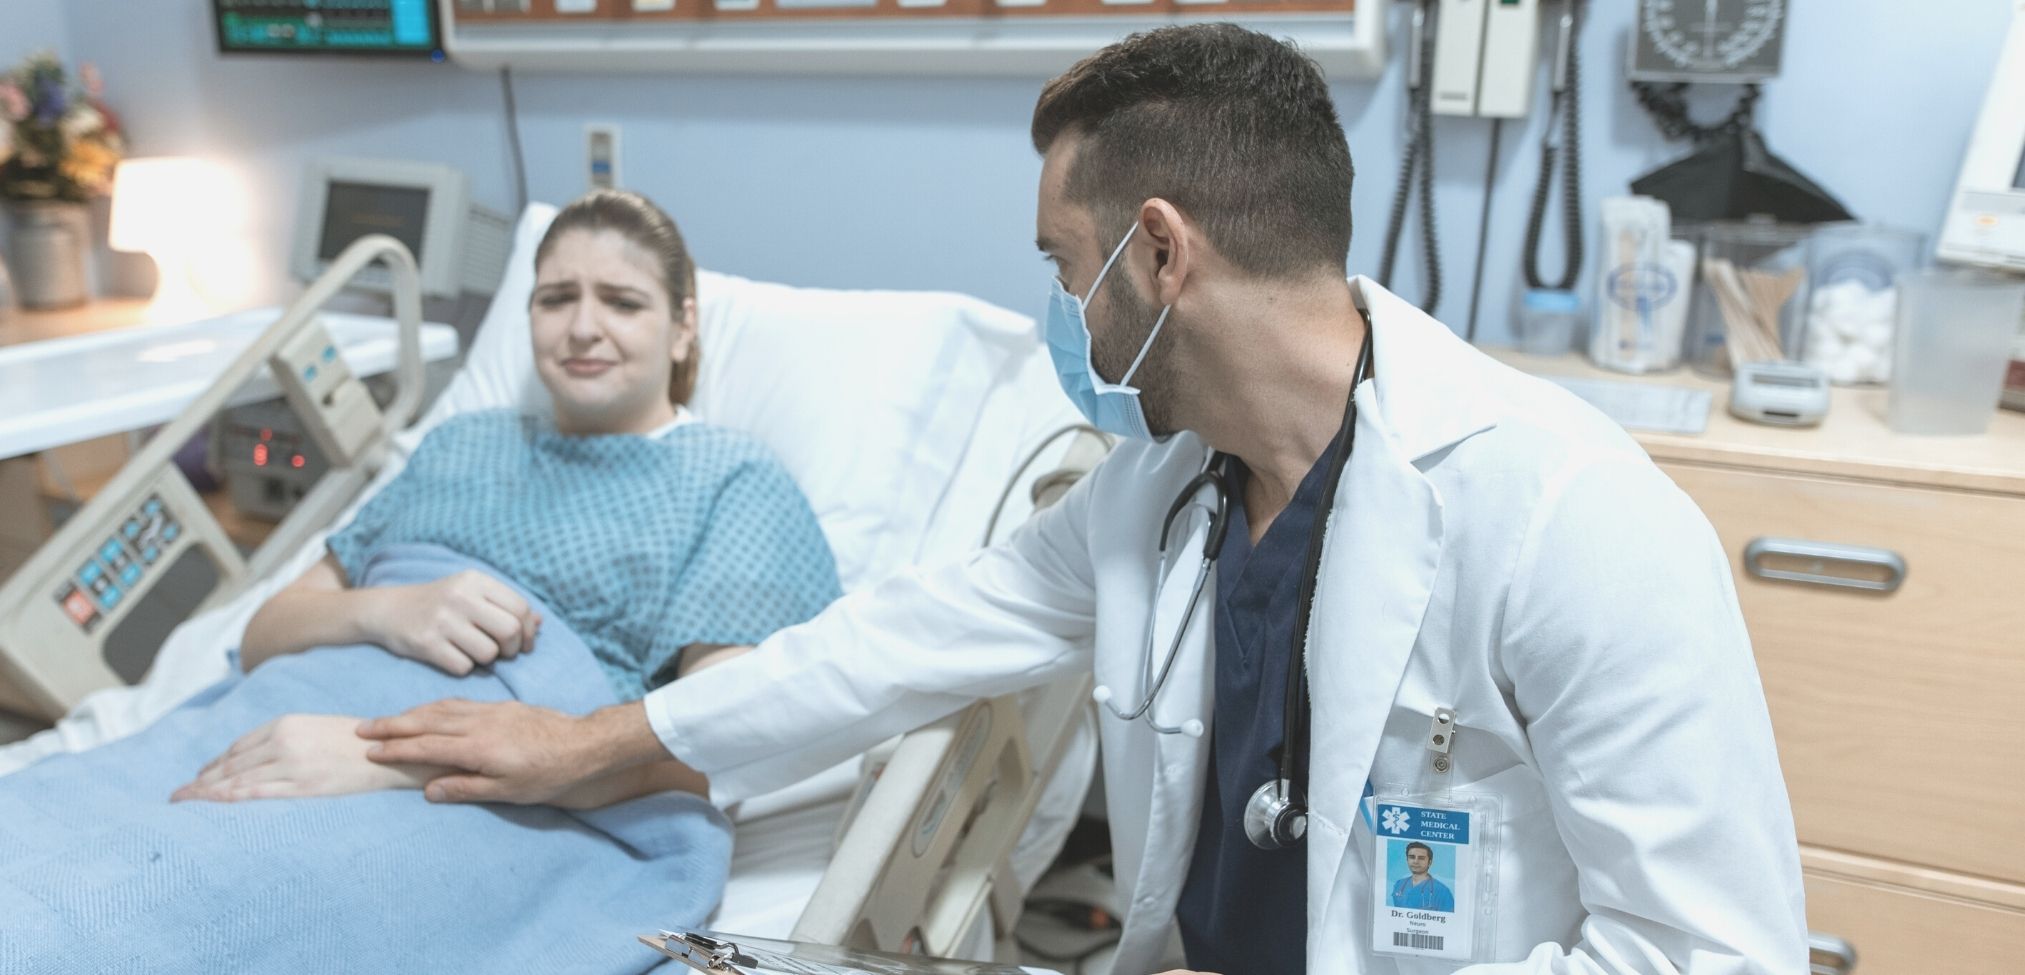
pixel 1276 816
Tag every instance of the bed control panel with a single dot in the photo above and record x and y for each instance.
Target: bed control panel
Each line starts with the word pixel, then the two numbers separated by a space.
pixel 129 555
pixel 334 405
pixel 60 610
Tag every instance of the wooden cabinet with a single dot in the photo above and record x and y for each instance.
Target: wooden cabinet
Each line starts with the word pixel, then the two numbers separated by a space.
pixel 1883 580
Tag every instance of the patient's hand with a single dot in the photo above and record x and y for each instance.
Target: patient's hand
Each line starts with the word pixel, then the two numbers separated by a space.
pixel 300 755
pixel 455 624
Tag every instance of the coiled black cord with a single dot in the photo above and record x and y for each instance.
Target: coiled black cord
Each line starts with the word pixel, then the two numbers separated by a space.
pixel 1569 101
pixel 1667 104
pixel 1417 171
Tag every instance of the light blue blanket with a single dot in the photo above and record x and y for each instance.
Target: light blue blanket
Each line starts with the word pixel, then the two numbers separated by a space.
pixel 100 873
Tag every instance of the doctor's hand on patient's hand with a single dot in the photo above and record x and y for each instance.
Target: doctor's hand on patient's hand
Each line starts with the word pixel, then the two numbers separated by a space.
pixel 299 755
pixel 502 751
pixel 455 624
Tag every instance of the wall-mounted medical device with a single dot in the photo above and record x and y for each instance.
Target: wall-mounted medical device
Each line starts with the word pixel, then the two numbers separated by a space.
pixel 1985 224
pixel 1486 53
pixel 1735 41
pixel 459 245
pixel 355 27
pixel 1024 38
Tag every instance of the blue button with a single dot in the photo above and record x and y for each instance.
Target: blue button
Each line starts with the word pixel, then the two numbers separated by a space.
pixel 90 573
pixel 111 551
pixel 170 531
pixel 309 374
pixel 153 507
pixel 330 353
pixel 110 597
pixel 133 528
pixel 150 554
pixel 130 575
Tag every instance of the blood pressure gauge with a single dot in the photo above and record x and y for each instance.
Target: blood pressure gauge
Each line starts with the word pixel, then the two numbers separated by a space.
pixel 1708 40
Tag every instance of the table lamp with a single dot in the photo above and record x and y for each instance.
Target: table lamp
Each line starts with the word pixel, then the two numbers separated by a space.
pixel 168 207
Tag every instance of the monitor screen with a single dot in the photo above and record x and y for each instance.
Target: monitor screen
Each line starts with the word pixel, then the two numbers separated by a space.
pixel 327 26
pixel 353 210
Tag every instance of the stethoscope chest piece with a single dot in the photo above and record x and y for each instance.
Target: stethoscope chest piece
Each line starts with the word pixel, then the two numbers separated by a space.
pixel 1276 816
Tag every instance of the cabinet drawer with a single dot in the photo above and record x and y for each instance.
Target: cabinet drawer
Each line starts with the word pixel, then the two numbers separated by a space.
pixel 1903 931
pixel 1897 713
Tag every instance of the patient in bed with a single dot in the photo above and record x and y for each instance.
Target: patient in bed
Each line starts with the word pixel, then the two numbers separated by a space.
pixel 569 561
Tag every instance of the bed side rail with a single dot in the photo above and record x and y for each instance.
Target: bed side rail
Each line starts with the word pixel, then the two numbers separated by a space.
pixel 58 609
pixel 926 853
pixel 925 850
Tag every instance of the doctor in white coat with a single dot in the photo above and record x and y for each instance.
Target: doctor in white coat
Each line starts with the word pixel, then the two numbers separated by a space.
pixel 1495 552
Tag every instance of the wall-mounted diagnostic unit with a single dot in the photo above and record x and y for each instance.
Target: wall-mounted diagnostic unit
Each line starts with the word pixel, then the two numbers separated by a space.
pixel 357 27
pixel 1708 40
pixel 1032 38
pixel 1486 53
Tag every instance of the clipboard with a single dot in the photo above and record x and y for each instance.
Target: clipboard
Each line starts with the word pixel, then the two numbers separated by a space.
pixel 722 954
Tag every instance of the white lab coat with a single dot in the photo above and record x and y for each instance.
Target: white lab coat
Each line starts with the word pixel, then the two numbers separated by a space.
pixel 1496 547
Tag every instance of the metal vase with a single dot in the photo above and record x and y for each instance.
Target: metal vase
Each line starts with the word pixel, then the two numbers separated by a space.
pixel 47 246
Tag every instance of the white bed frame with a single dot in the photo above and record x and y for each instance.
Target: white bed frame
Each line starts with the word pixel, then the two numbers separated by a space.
pixel 922 858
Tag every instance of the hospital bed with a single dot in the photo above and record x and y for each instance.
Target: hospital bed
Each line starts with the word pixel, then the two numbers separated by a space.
pixel 903 416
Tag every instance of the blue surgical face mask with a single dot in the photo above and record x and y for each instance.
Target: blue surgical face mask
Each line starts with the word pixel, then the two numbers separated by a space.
pixel 1111 407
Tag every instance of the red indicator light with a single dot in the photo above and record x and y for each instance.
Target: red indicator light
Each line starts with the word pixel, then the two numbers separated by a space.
pixel 295 461
pixel 260 455
pixel 266 434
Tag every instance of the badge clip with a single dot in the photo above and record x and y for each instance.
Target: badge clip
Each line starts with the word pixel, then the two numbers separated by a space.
pixel 1440 737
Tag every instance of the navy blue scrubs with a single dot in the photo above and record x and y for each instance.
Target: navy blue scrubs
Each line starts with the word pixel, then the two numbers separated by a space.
pixel 1243 909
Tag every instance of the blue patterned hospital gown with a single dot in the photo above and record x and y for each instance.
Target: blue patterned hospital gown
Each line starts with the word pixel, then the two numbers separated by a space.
pixel 644 545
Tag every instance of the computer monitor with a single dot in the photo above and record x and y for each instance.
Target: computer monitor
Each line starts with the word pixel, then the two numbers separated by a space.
pixel 1986 219
pixel 460 247
pixel 363 27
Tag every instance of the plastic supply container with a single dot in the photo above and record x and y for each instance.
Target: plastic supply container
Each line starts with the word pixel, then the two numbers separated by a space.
pixel 1548 321
pixel 1852 298
pixel 1745 284
pixel 1953 344
pixel 1641 287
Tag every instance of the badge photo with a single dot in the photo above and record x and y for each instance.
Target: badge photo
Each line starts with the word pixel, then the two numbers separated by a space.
pixel 1424 883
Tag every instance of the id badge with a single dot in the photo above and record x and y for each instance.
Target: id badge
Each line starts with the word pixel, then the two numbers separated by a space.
pixel 1432 879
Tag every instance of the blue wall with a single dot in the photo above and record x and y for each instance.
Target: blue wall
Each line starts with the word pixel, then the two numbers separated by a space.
pixel 917 183
pixel 28 26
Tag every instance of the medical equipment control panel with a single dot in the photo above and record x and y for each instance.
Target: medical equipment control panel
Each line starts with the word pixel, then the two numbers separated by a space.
pixel 335 406
pixel 57 612
pixel 132 551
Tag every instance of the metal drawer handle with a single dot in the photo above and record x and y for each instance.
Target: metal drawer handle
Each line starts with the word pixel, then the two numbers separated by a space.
pixel 1829 955
pixel 1775 558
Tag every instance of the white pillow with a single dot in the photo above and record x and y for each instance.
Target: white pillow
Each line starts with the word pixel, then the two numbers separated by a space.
pixel 872 399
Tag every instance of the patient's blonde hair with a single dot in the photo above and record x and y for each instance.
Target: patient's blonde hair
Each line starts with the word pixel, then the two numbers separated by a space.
pixel 637 219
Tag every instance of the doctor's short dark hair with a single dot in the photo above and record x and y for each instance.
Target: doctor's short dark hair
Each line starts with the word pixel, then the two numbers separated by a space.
pixel 1233 127
pixel 636 218
pixel 1417 845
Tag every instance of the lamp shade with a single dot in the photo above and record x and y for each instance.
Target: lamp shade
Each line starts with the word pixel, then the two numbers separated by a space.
pixel 161 200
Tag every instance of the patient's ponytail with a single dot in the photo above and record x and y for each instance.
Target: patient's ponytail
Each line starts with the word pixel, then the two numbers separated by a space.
pixel 637 219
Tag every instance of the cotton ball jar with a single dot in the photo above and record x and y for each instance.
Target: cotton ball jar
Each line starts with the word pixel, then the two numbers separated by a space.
pixel 1849 331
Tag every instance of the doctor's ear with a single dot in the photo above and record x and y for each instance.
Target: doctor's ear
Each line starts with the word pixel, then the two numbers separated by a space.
pixel 1169 236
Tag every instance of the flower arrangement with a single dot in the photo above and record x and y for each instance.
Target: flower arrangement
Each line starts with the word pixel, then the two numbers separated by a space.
pixel 58 141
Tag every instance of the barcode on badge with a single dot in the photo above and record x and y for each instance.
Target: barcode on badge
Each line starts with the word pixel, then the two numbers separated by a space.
pixel 1423 942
